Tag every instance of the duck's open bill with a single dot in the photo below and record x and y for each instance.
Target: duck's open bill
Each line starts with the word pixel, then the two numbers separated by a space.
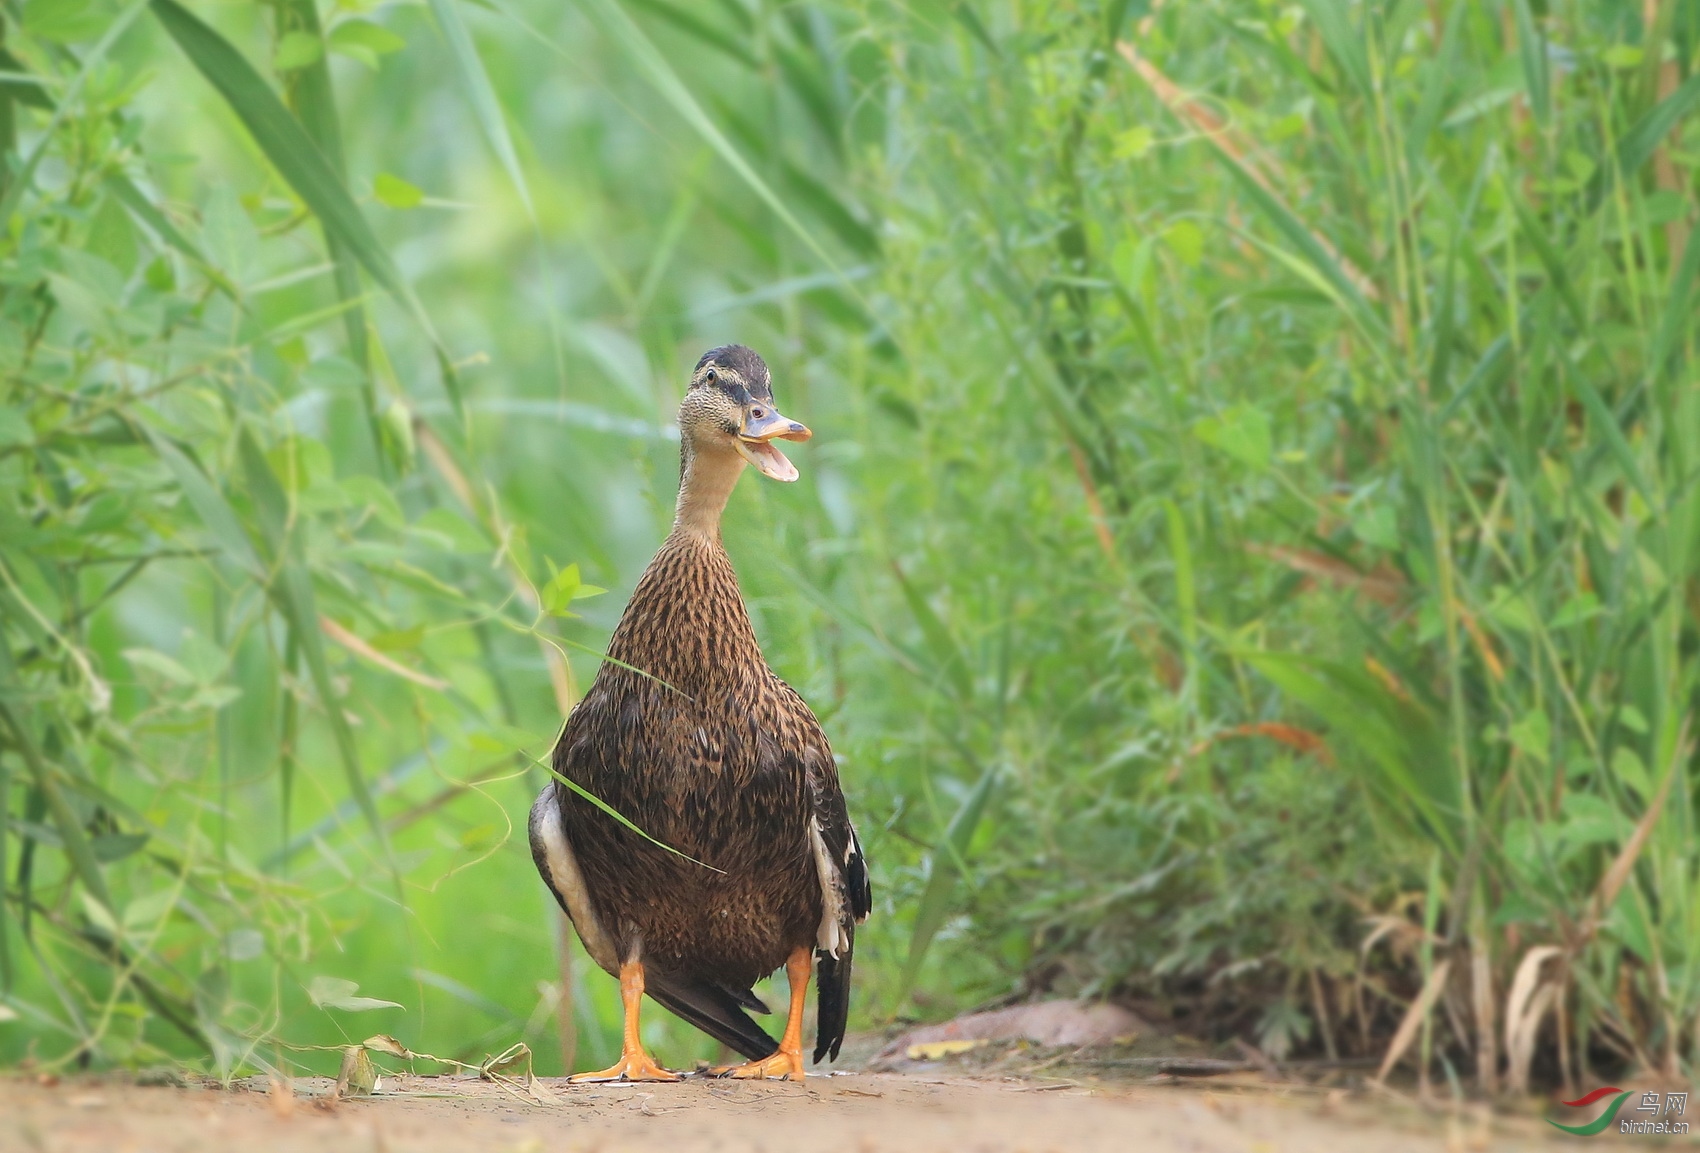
pixel 755 442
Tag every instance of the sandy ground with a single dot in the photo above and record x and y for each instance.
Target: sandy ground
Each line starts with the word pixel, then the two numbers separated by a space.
pixel 860 1113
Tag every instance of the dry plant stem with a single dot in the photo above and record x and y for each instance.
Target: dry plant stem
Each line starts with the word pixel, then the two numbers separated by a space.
pixel 564 1023
pixel 1481 991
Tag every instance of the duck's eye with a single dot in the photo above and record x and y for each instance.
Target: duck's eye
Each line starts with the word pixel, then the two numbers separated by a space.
pixel 756 414
pixel 711 376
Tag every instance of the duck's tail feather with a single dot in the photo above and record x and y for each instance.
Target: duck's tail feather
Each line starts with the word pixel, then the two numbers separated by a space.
pixel 832 999
pixel 713 1009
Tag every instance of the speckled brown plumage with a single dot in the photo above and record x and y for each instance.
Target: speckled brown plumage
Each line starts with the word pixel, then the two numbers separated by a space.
pixel 689 734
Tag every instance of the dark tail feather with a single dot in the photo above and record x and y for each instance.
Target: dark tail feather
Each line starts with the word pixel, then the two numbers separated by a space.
pixel 832 1001
pixel 712 1009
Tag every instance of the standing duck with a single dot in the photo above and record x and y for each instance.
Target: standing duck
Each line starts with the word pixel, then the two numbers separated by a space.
pixel 691 737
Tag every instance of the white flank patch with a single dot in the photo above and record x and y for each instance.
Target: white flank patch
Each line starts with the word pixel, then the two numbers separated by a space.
pixel 831 937
pixel 568 881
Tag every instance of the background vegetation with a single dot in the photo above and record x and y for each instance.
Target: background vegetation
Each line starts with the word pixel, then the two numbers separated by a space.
pixel 1247 560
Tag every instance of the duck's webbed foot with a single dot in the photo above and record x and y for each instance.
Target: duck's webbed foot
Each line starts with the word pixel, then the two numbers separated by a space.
pixel 781 1064
pixel 638 1066
pixel 634 1064
pixel 788 1061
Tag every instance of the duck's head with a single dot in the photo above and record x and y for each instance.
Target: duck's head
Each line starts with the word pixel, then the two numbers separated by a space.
pixel 729 409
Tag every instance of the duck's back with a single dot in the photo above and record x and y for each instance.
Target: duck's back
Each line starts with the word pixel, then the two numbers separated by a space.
pixel 689 735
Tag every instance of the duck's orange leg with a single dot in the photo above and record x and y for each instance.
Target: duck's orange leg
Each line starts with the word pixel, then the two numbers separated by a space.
pixel 788 1061
pixel 634 1064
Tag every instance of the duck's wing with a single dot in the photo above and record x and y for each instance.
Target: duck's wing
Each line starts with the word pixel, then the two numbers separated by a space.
pixel 846 893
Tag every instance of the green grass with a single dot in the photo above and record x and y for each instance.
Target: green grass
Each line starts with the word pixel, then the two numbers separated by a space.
pixel 1244 561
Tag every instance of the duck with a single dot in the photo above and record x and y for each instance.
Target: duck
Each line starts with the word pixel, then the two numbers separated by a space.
pixel 743 858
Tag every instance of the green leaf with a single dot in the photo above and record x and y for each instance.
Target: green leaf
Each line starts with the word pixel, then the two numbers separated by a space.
pixel 1622 56
pixel 15 428
pixel 209 504
pixel 1133 143
pixel 160 663
pixel 109 847
pixel 64 21
pixel 336 993
pixel 1378 526
pixel 1242 432
pixel 364 41
pixel 146 912
pixel 1532 735
pixel 394 192
pixel 1584 606
pixel 297 50
pixel 100 915
pixel 1626 764
pixel 1186 240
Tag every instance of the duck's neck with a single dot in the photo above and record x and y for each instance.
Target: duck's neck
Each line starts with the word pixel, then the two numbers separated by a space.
pixel 705 484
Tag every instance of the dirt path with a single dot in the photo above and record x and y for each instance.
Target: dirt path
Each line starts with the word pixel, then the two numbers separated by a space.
pixel 862 1113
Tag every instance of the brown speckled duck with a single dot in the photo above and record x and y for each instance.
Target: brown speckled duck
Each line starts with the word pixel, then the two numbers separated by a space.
pixel 688 734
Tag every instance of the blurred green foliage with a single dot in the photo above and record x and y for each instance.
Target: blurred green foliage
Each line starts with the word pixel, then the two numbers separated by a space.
pixel 1245 563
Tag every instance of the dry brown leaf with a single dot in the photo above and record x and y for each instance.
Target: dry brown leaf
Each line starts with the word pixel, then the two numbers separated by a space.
pixel 1406 935
pixel 1490 657
pixel 384 1043
pixel 1525 1005
pixel 933 1050
pixel 1407 1031
pixel 1382 585
pixel 1615 876
pixel 358 1076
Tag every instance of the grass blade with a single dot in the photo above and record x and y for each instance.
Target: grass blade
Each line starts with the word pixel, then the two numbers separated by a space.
pixel 619 26
pixel 314 101
pixel 946 857
pixel 76 842
pixel 1344 42
pixel 485 106
pixel 291 592
pixel 214 511
pixel 1532 52
pixel 298 160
